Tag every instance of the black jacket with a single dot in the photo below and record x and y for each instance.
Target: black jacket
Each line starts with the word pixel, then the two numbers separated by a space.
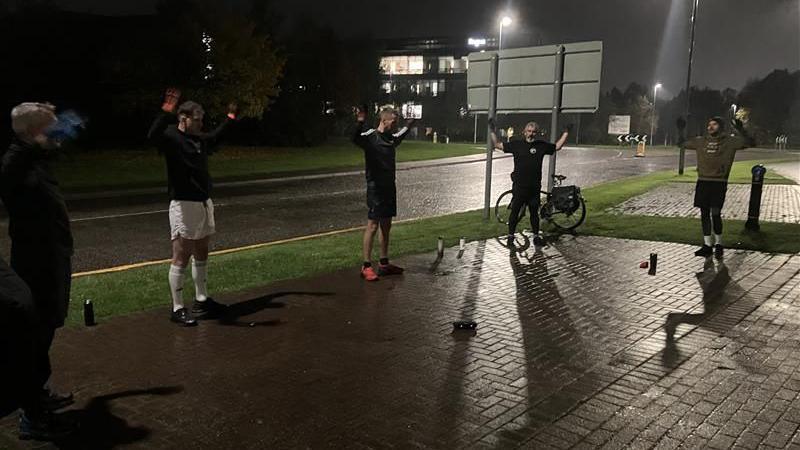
pixel 187 157
pixel 380 150
pixel 37 213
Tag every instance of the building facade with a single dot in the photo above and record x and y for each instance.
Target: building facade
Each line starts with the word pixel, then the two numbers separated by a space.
pixel 430 74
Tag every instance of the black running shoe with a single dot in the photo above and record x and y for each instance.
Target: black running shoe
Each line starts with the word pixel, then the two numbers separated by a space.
pixel 184 317
pixel 44 427
pixel 704 251
pixel 510 241
pixel 208 309
pixel 538 241
pixel 719 252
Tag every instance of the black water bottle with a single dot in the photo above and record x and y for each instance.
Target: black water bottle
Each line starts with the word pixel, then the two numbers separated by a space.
pixel 653 263
pixel 88 313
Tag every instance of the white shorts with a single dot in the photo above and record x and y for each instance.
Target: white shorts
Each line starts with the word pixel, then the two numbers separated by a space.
pixel 191 220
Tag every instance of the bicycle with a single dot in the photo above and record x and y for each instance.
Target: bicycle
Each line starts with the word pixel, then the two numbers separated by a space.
pixel 564 207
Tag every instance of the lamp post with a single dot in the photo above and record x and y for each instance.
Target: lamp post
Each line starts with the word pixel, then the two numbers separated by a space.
pixel 653 121
pixel 695 4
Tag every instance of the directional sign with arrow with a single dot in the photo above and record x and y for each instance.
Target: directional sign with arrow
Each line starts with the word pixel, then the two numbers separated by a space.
pixel 628 138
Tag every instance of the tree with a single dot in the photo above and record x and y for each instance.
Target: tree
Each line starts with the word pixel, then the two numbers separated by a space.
pixel 238 63
pixel 324 77
pixel 771 102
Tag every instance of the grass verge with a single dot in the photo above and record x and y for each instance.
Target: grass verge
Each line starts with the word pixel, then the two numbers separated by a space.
pixel 124 169
pixel 143 288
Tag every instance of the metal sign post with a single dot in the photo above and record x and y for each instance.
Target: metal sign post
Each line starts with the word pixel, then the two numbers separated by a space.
pixel 487 201
pixel 558 79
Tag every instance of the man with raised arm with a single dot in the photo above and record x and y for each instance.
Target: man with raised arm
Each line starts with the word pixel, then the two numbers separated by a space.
pixel 716 151
pixel 186 148
pixel 526 178
pixel 380 146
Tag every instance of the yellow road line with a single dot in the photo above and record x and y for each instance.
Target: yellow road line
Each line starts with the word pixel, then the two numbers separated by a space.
pixel 226 251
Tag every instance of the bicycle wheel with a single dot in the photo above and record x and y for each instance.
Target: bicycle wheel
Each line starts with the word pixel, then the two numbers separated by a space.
pixel 564 220
pixel 502 209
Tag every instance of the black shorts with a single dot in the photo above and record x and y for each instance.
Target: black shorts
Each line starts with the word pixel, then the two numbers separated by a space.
pixel 381 201
pixel 526 191
pixel 710 194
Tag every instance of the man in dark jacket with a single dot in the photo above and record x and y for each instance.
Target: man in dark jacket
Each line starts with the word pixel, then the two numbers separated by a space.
pixel 186 148
pixel 41 240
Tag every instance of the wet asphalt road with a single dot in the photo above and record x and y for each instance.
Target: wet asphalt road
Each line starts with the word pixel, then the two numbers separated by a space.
pixel 116 231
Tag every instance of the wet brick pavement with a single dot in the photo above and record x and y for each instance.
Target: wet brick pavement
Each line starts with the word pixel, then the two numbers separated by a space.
pixel 571 351
pixel 779 203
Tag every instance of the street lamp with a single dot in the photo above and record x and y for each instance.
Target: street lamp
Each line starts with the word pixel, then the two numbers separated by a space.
pixel 504 22
pixel 653 121
pixel 695 5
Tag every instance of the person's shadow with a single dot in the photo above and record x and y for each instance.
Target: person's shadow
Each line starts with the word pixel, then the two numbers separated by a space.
pixel 548 339
pixel 233 313
pixel 714 281
pixel 99 428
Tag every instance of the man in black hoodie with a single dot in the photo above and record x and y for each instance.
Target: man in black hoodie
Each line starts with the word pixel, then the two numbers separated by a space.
pixel 41 243
pixel 191 212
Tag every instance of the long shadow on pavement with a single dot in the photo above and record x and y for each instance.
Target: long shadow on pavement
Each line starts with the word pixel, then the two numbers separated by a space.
pixel 101 429
pixel 718 293
pixel 547 333
pixel 453 402
pixel 245 308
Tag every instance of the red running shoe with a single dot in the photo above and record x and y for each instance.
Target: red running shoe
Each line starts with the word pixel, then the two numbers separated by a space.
pixel 389 269
pixel 368 273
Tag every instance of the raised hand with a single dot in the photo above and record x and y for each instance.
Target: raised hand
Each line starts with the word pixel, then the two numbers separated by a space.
pixel 361 113
pixel 568 128
pixel 737 124
pixel 233 110
pixel 171 98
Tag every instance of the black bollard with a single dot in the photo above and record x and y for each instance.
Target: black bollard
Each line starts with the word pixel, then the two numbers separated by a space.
pixel 88 313
pixel 754 210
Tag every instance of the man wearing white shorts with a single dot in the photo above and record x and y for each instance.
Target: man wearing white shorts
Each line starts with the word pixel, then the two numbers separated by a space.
pixel 191 212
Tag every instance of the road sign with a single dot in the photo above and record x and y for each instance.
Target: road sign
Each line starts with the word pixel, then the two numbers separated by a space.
pixel 548 79
pixel 619 124
pixel 628 138
pixel 527 79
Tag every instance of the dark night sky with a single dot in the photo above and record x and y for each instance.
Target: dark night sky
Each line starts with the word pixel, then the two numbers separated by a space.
pixel 644 40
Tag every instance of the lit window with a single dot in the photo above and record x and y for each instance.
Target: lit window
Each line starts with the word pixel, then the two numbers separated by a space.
pixel 415 64
pixel 446 64
pixel 402 65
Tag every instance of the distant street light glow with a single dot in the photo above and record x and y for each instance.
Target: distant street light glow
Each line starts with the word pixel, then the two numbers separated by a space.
pixel 653 121
pixel 504 22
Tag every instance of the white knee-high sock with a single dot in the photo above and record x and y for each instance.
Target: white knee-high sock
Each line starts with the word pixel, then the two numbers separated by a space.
pixel 200 274
pixel 176 275
pixel 718 239
pixel 707 241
